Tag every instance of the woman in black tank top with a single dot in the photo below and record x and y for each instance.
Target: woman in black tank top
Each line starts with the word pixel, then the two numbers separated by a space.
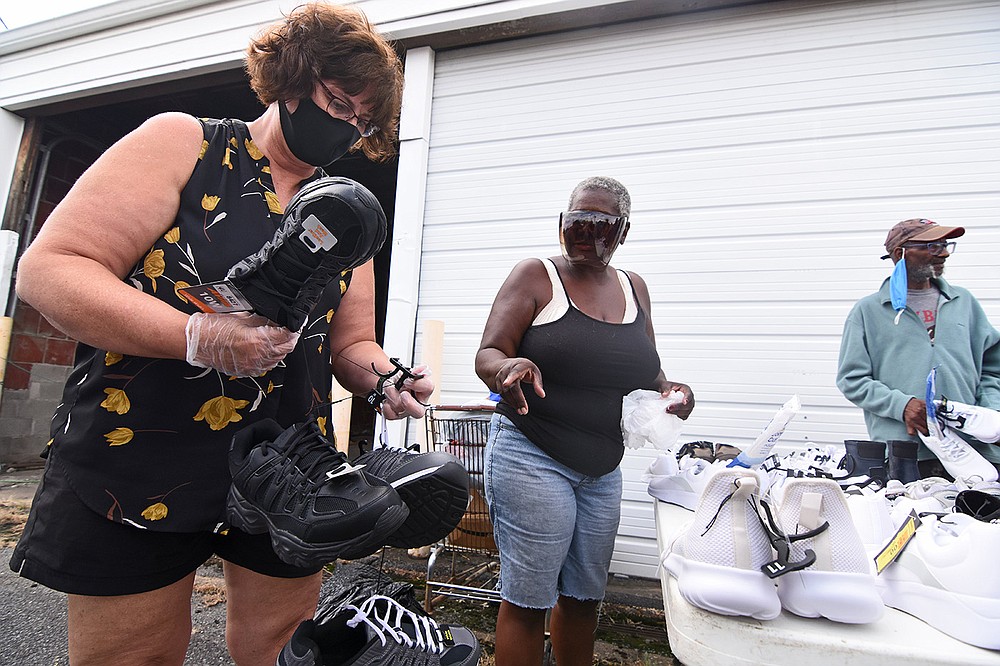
pixel 590 358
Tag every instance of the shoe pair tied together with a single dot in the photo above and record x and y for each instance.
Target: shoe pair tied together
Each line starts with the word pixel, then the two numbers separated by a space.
pixel 725 562
pixel 318 506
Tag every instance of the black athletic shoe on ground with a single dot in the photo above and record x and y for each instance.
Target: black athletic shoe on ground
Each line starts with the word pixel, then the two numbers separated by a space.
pixel 333 224
pixel 379 632
pixel 317 506
pixel 433 485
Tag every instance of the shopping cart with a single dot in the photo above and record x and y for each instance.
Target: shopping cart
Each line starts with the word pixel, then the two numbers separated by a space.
pixel 474 561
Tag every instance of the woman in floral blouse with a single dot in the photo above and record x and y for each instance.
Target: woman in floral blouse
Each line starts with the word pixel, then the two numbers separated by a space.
pixel 133 497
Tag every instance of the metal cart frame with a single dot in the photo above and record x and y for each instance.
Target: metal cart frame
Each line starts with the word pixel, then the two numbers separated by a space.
pixel 462 431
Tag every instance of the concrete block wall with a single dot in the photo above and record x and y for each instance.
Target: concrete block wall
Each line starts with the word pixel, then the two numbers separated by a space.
pixel 25 416
pixel 40 356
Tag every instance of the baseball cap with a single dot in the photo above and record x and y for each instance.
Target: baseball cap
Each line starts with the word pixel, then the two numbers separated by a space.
pixel 918 229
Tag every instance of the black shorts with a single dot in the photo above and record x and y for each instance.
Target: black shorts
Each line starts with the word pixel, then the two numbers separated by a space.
pixel 68 547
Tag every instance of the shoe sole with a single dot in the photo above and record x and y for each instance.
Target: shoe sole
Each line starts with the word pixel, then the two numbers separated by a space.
pixel 293 550
pixel 724 590
pixel 437 498
pixel 972 620
pixel 850 598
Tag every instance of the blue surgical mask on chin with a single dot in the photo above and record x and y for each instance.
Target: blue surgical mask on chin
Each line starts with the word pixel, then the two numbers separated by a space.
pixel 898 285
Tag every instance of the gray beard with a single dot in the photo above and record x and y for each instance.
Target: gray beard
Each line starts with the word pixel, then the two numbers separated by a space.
pixel 925 272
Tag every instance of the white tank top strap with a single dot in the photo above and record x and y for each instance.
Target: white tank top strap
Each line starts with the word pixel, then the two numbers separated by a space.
pixel 560 302
pixel 631 309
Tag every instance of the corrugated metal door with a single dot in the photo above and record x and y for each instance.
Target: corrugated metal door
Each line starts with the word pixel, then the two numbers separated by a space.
pixel 767 150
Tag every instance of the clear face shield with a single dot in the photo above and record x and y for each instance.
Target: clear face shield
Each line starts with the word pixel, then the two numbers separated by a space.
pixel 588 236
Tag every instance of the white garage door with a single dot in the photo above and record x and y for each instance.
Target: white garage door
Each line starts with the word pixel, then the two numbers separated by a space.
pixel 767 150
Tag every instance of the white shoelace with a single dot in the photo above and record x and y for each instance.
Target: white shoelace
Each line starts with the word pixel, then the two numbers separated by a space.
pixel 954 449
pixel 389 624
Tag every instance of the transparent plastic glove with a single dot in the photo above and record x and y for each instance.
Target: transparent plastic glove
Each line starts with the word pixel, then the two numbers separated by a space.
pixel 238 344
pixel 645 420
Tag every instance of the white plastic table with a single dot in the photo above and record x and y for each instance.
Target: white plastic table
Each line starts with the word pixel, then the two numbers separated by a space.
pixel 700 638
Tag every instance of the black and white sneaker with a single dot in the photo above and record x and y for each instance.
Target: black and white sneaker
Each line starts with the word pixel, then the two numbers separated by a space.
pixel 379 632
pixel 317 507
pixel 332 225
pixel 433 485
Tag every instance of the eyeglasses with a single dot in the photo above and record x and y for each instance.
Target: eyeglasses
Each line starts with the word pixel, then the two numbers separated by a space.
pixel 338 108
pixel 936 249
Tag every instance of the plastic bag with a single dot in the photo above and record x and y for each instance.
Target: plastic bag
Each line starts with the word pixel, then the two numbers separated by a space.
pixel 645 420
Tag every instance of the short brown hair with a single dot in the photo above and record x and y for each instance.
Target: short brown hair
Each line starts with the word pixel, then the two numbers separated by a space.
pixel 317 41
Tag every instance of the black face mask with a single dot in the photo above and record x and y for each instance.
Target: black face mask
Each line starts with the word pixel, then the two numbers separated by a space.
pixel 314 136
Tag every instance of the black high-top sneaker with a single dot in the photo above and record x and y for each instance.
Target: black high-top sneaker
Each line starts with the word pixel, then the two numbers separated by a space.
pixel 332 225
pixel 433 485
pixel 317 506
pixel 865 457
pixel 901 459
pixel 379 632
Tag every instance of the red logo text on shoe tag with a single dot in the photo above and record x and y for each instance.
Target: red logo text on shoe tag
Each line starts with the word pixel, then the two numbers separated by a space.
pixel 897 543
pixel 216 297
pixel 316 236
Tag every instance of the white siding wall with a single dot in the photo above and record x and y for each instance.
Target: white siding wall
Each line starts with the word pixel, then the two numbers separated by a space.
pixel 767 150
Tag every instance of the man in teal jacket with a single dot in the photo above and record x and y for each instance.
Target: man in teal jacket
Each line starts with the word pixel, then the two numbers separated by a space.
pixel 893 338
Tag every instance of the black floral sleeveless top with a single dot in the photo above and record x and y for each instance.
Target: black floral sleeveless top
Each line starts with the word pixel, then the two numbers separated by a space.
pixel 145 441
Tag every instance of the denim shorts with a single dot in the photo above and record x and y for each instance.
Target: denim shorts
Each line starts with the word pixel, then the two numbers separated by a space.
pixel 555 528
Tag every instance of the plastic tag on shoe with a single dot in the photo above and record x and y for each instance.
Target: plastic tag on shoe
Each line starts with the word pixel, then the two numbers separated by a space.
pixel 216 297
pixel 316 236
pixel 897 543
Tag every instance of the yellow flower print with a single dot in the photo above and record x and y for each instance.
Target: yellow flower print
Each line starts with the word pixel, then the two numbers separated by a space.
pixel 321 422
pixel 265 169
pixel 119 436
pixel 110 358
pixel 329 314
pixel 173 235
pixel 209 203
pixel 273 204
pixel 153 265
pixel 116 401
pixel 220 412
pixel 156 511
pixel 180 284
pixel 204 149
pixel 270 387
pixel 343 287
pixel 252 149
pixel 227 159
